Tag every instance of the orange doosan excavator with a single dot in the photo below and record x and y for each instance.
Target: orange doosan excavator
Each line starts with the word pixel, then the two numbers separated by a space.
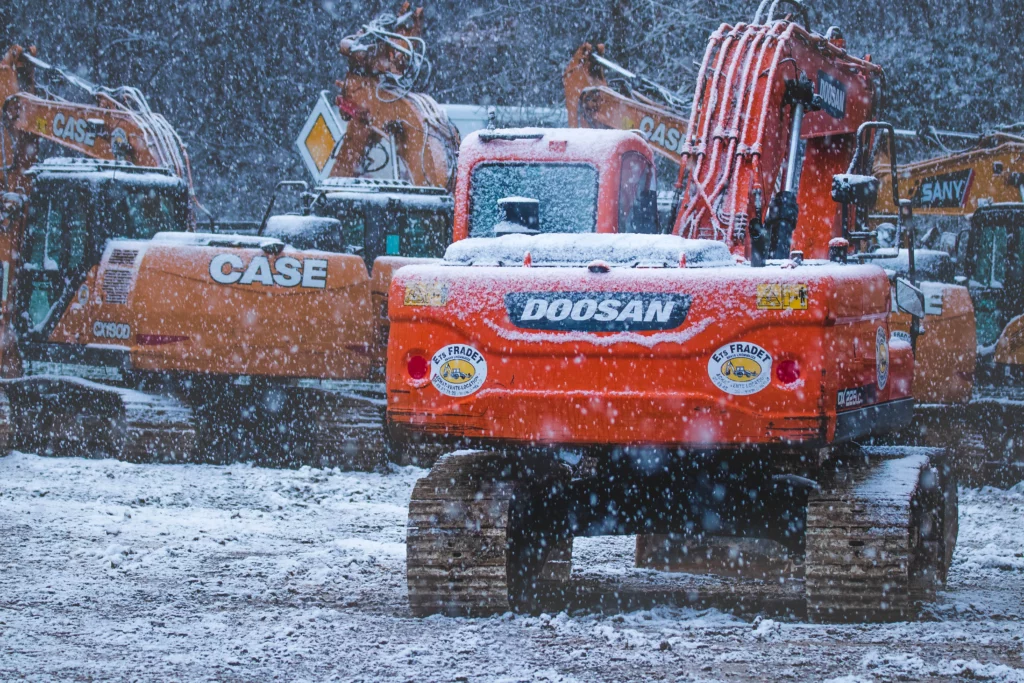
pixel 601 94
pixel 203 342
pixel 710 382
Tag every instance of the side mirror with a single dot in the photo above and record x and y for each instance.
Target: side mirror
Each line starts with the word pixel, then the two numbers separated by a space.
pixel 906 210
pixel 850 188
pixel 909 299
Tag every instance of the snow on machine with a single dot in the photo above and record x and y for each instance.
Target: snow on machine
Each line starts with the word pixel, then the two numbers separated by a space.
pixel 711 382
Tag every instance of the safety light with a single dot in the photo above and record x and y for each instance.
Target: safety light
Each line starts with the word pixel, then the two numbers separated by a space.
pixel 419 367
pixel 788 371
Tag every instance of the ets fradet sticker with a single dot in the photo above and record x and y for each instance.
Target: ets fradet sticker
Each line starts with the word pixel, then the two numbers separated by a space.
pixel 899 335
pixel 882 357
pixel 740 368
pixel 457 370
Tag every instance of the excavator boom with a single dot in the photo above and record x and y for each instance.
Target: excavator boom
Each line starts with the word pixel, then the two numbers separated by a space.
pixel 386 62
pixel 96 132
pixel 775 116
pixel 627 102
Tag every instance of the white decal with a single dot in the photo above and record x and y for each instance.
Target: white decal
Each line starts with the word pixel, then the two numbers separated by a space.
pixel 882 357
pixel 70 128
pixel 457 370
pixel 106 330
pixel 740 368
pixel 660 135
pixel 900 335
pixel 285 271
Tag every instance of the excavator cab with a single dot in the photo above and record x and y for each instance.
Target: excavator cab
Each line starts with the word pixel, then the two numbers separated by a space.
pixel 581 181
pixel 78 206
pixel 994 268
pixel 385 217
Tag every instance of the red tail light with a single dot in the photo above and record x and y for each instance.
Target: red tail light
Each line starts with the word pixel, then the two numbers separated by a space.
pixel 419 367
pixel 788 371
pixel 158 339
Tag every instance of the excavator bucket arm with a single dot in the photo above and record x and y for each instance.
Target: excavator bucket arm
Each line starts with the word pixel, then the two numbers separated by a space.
pixel 386 64
pixel 635 104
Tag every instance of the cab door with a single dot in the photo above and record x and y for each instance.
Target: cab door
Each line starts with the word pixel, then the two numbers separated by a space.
pixel 55 257
pixel 398 235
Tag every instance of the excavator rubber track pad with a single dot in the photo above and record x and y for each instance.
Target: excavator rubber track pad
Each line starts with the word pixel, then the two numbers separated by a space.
pixel 343 428
pixel 468 550
pixel 880 536
pixel 457 538
pixel 63 416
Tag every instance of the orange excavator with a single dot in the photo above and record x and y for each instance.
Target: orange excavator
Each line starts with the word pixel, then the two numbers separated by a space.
pixel 710 382
pixel 386 64
pixel 969 205
pixel 134 177
pixel 200 342
pixel 382 122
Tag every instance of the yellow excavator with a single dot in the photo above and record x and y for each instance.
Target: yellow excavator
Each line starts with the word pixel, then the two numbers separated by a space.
pixel 969 208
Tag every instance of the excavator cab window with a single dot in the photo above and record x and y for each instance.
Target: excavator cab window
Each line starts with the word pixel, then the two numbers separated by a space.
pixel 425 234
pixel 567 193
pixel 56 254
pixel 407 226
pixel 138 211
pixel 401 230
pixel 995 270
pixel 638 195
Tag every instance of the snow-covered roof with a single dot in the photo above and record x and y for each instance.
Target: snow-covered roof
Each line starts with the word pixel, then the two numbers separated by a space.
pixel 930 264
pixel 575 249
pixel 64 168
pixel 210 239
pixel 305 232
pixel 376 185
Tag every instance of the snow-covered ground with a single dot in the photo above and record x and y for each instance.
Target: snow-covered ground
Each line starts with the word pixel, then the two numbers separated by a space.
pixel 121 571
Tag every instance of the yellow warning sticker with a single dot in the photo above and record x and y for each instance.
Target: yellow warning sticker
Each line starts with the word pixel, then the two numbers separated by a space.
pixel 779 297
pixel 426 294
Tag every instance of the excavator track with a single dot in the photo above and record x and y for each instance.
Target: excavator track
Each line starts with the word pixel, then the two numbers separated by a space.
pixel 6 422
pixel 880 537
pixel 65 416
pixel 985 438
pixel 469 552
pixel 343 423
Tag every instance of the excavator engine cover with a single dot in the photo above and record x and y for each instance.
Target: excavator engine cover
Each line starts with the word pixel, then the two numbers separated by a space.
pixel 667 343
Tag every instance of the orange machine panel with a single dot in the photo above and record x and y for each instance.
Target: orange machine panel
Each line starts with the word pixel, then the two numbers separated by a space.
pixel 947 348
pixel 745 356
pixel 274 311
